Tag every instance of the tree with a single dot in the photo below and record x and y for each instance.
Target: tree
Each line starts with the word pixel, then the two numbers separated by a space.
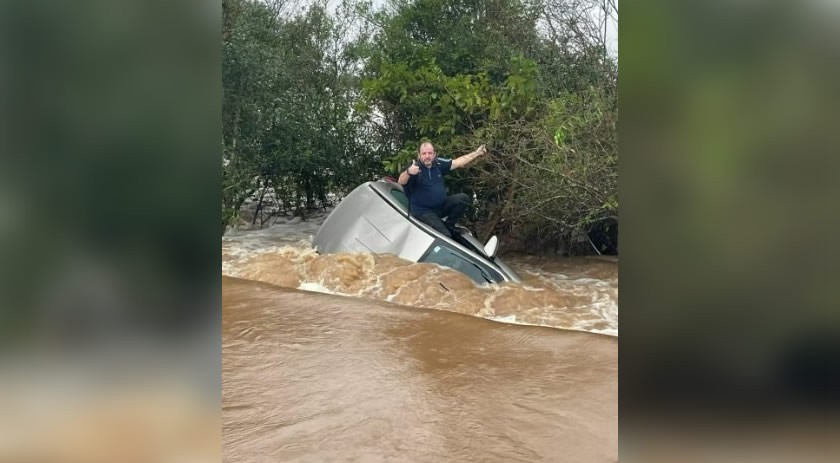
pixel 290 133
pixel 320 101
pixel 466 73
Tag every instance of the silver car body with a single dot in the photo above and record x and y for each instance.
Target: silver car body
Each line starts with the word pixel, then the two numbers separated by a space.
pixel 374 218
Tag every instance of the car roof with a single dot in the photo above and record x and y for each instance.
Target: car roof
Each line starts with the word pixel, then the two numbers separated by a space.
pixel 394 194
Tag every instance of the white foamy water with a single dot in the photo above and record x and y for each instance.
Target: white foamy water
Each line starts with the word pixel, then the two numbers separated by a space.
pixel 569 293
pixel 317 288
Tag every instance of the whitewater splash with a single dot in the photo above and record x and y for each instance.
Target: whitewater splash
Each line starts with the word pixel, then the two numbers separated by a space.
pixel 569 293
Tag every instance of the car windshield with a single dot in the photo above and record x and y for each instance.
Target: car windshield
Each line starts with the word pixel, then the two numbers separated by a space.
pixel 441 254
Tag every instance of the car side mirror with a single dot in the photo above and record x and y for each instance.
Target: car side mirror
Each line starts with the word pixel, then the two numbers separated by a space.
pixel 491 247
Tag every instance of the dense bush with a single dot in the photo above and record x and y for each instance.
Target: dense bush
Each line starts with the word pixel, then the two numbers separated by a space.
pixel 318 101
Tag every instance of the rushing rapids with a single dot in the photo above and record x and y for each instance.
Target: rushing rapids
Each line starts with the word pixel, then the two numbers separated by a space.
pixel 570 293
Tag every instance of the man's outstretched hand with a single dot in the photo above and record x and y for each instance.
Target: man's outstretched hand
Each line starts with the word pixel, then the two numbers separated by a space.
pixel 413 169
pixel 481 150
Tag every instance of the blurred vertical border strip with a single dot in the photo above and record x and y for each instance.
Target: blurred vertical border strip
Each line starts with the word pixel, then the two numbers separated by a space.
pixel 730 327
pixel 110 290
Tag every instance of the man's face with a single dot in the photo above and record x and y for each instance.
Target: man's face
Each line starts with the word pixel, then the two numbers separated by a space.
pixel 427 154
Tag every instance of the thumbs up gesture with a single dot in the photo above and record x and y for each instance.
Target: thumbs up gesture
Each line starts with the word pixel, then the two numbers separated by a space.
pixel 414 168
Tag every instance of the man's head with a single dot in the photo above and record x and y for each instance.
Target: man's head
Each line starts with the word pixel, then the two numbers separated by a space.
pixel 426 154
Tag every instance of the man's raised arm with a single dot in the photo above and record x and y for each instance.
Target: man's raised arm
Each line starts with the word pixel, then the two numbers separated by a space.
pixel 406 174
pixel 462 161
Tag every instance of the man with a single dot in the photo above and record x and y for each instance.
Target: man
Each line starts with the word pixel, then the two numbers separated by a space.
pixel 423 180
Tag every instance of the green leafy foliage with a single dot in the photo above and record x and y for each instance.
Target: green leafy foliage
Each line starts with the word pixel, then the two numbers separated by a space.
pixel 289 124
pixel 318 100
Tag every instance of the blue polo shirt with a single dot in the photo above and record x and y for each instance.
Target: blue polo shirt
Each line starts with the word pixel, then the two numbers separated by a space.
pixel 425 190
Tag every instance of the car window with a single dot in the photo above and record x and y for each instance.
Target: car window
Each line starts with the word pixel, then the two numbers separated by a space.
pixel 400 197
pixel 440 253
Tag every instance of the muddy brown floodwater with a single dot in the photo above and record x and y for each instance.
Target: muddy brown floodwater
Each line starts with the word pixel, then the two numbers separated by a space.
pixel 363 357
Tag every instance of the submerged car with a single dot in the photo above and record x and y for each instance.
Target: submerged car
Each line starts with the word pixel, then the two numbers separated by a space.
pixel 374 218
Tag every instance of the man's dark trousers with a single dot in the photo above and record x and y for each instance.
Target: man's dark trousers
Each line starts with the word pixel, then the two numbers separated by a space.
pixel 453 209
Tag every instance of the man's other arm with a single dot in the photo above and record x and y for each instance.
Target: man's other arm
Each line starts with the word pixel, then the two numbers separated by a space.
pixel 462 161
